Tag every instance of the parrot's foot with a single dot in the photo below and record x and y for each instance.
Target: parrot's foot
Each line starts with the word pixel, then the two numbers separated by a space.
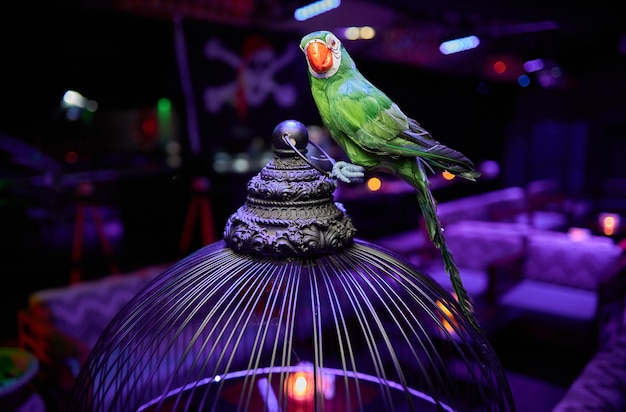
pixel 348 172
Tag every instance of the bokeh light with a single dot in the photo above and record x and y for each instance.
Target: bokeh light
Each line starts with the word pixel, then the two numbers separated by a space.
pixel 447 175
pixel 499 67
pixel 374 184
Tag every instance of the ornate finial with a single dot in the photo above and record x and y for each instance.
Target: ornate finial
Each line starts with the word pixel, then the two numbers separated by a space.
pixel 289 210
pixel 292 131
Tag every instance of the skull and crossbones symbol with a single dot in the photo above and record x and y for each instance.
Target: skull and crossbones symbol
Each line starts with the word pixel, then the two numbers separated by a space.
pixel 255 81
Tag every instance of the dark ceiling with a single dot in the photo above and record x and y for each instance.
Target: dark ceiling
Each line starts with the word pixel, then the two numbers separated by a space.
pixel 51 45
pixel 576 35
pixel 580 37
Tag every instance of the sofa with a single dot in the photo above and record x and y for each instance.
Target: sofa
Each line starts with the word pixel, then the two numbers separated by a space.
pixel 61 325
pixel 601 385
pixel 476 245
pixel 531 206
pixel 573 282
pixel 557 280
pixel 540 204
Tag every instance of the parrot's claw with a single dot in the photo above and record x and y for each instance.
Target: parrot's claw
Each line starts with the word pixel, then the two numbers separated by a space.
pixel 348 172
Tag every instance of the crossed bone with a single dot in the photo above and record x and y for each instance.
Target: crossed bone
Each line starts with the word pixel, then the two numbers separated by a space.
pixel 254 73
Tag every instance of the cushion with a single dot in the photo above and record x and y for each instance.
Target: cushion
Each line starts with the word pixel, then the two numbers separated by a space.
pixel 543 219
pixel 475 281
pixel 476 244
pixel 543 297
pixel 480 206
pixel 83 310
pixel 557 259
pixel 404 243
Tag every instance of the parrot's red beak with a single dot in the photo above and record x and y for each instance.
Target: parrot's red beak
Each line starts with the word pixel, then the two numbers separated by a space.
pixel 319 56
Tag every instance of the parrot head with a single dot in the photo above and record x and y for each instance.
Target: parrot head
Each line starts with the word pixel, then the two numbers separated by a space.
pixel 325 54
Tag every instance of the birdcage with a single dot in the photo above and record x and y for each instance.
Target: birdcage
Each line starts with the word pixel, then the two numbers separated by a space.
pixel 292 312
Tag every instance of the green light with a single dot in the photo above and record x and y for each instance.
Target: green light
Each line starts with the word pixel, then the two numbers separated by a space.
pixel 164 106
pixel 164 118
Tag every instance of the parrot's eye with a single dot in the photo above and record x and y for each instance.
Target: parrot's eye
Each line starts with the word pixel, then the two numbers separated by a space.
pixel 333 42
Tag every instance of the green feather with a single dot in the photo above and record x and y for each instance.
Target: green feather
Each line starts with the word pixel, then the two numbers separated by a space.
pixel 375 133
pixel 414 173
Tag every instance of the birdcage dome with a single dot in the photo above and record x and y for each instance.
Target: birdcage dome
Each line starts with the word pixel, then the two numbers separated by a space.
pixel 291 312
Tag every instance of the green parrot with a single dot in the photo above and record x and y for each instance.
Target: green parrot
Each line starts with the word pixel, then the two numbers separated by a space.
pixel 376 134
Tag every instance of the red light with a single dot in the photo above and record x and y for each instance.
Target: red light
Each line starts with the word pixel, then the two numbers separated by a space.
pixel 147 129
pixel 71 157
pixel 149 126
pixel 499 67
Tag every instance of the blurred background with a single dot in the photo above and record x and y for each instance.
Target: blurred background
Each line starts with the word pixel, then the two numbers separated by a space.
pixel 119 117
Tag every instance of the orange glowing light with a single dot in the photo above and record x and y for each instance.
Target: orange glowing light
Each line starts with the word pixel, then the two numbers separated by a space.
pixel 300 386
pixel 447 315
pixel 374 184
pixel 447 175
pixel 609 223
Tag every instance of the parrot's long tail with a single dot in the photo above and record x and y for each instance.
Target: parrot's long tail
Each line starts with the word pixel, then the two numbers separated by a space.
pixel 418 179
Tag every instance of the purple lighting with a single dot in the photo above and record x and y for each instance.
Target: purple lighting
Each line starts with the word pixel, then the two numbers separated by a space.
pixel 533 65
pixel 277 374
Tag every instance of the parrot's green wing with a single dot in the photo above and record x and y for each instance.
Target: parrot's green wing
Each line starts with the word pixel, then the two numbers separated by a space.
pixel 374 123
